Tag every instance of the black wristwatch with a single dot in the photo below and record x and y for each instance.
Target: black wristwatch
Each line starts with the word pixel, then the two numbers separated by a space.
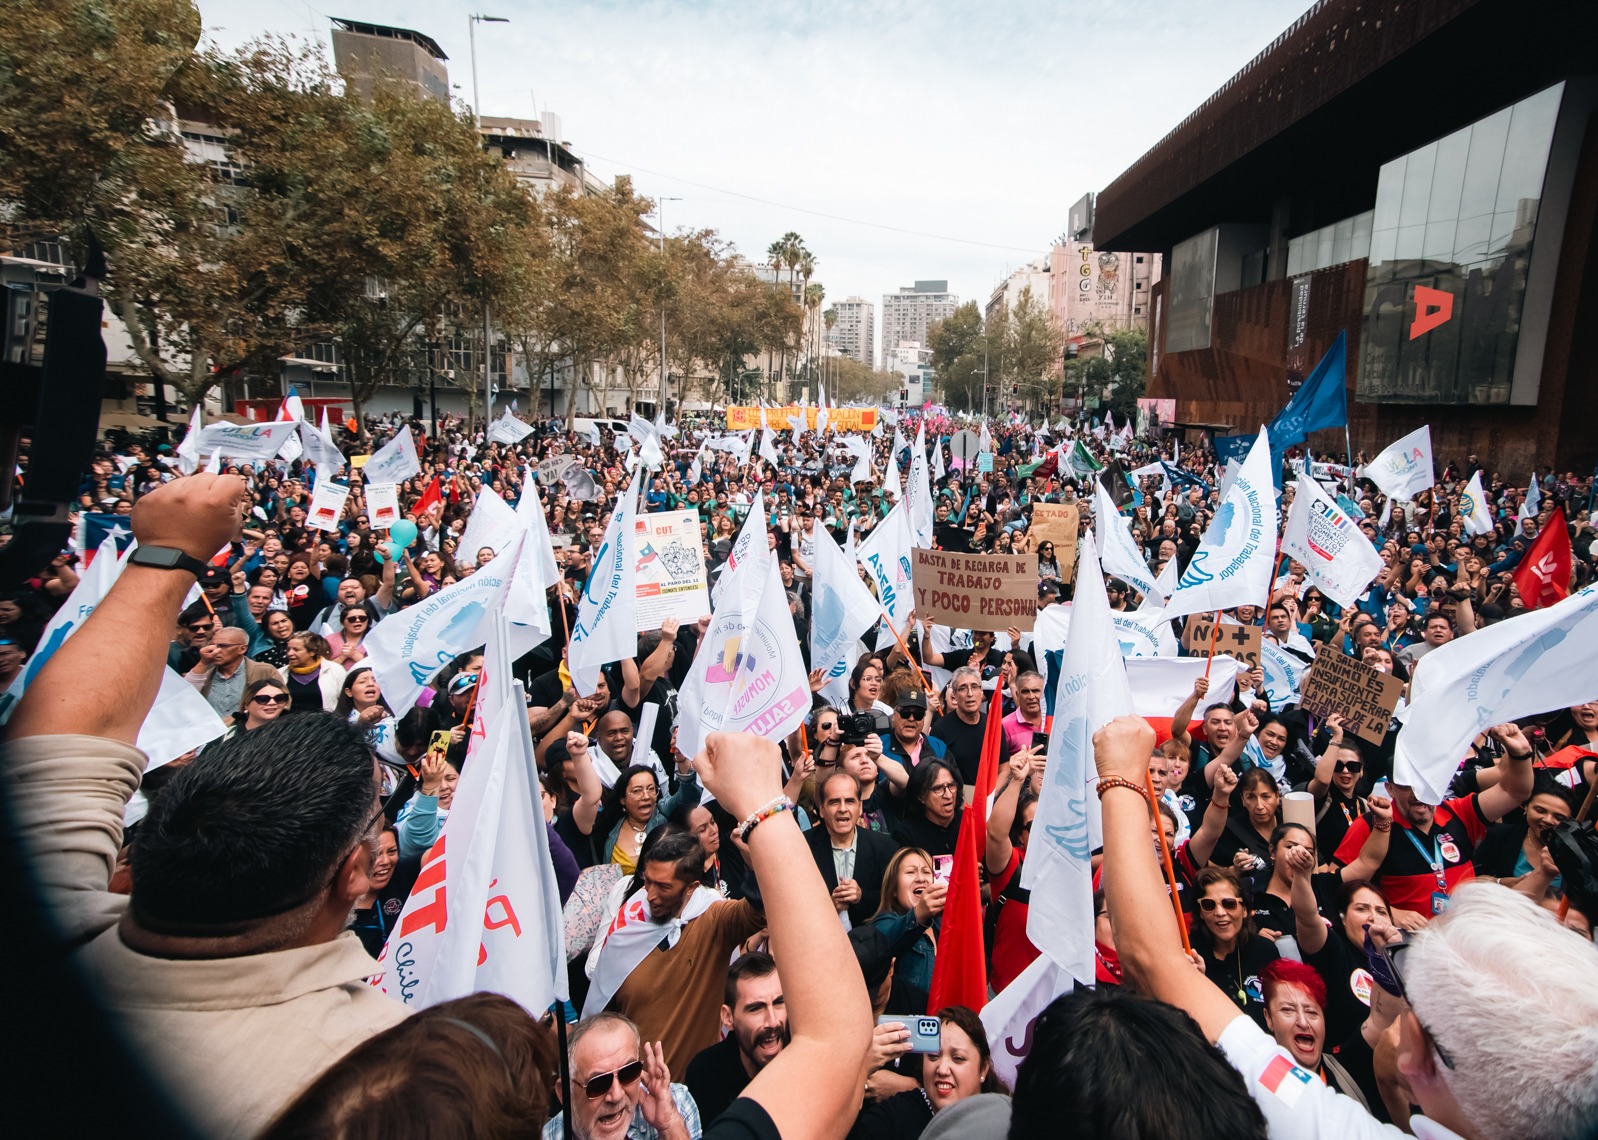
pixel 167 558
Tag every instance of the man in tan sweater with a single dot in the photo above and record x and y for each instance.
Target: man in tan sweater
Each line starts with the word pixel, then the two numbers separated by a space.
pixel 229 967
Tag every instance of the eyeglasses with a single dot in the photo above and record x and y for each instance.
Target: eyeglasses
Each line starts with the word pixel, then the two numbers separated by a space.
pixel 202 627
pixel 1227 904
pixel 599 1084
pixel 270 699
pixel 1353 767
pixel 1387 969
pixel 941 790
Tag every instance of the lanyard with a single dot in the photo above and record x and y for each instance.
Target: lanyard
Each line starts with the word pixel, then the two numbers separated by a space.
pixel 1434 857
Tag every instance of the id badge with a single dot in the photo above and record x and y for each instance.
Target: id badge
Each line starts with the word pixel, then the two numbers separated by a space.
pixel 1439 902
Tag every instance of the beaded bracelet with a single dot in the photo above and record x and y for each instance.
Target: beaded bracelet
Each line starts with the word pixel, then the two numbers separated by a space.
pixel 756 818
pixel 1109 782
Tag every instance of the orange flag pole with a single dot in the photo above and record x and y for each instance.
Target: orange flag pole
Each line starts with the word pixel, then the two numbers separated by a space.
pixel 1165 858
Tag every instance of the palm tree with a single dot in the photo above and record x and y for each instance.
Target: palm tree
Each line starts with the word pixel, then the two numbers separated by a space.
pixel 777 254
pixel 813 297
pixel 829 318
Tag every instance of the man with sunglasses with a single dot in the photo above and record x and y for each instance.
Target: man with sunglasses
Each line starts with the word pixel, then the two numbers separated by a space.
pixel 1494 1039
pixel 229 966
pixel 906 740
pixel 621 1088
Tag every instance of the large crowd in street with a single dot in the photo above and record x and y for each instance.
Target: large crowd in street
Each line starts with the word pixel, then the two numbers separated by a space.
pixel 1300 926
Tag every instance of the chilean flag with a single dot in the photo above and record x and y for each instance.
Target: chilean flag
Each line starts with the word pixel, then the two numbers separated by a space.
pixel 430 498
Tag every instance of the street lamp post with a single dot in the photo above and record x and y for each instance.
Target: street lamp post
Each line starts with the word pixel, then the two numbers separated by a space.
pixel 477 115
pixel 660 216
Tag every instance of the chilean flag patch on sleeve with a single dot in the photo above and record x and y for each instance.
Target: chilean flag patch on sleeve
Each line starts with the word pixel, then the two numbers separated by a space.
pixel 1285 1080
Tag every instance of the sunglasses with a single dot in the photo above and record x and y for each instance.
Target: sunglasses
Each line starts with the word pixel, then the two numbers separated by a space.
pixel 599 1084
pixel 1354 767
pixel 270 699
pixel 202 627
pixel 1228 905
pixel 1387 970
pixel 359 619
pixel 911 712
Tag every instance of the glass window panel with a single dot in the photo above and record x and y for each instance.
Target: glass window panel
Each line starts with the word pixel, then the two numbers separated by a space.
pixel 1470 239
pixel 1390 190
pixel 1439 241
pixel 1383 244
pixel 1448 175
pixel 1417 186
pixel 1411 241
pixel 1531 132
pixel 1485 165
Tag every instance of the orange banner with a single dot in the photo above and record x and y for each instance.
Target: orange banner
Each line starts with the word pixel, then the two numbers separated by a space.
pixel 741 418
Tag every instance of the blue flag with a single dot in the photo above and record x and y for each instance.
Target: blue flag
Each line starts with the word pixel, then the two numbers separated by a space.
pixel 1232 447
pixel 1180 478
pixel 1320 402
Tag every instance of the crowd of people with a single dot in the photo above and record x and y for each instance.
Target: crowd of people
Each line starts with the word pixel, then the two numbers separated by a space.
pixel 1388 964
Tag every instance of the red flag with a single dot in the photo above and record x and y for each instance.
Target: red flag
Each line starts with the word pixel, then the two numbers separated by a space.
pixel 430 498
pixel 959 974
pixel 1543 576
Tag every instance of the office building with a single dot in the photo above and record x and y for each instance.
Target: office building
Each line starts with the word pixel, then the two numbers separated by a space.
pixel 367 54
pixel 1390 171
pixel 907 313
pixel 855 333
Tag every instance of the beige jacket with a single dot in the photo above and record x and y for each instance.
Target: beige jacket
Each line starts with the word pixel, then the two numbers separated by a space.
pixel 236 1038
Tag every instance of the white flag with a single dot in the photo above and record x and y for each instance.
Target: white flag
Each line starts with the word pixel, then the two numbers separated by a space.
pixel 1530 506
pixel 985 440
pixel 1404 469
pixel 492 524
pixel 320 449
pixel 1090 691
pixel 919 497
pixel 408 649
pixel 1284 673
pixel 938 469
pixel 253 443
pixel 1122 555
pixel 1164 587
pixel 886 556
pixel 536 569
pixel 1473 510
pixel 1161 684
pixel 1009 1016
pixel 93 585
pixel 189 449
pixel 485 915
pixel 327 505
pixel 606 628
pixel 748 675
pixel 891 483
pixel 179 721
pixel 1137 634
pixel 1337 556
pixel 821 408
pixel 751 542
pixel 395 461
pixel 767 451
pixel 841 608
pixel 1545 659
pixel 509 429
pixel 1235 561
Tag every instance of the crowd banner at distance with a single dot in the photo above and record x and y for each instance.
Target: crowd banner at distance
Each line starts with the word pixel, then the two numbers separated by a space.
pixel 1365 697
pixel 1241 642
pixel 740 418
pixel 670 569
pixel 976 591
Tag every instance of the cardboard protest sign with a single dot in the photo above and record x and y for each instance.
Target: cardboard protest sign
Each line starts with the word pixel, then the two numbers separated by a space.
pixel 1239 641
pixel 975 591
pixel 1365 697
pixel 670 569
pixel 1057 523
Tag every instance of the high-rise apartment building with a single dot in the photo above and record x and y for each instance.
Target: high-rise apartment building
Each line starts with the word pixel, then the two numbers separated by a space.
pixel 855 333
pixel 907 313
pixel 366 54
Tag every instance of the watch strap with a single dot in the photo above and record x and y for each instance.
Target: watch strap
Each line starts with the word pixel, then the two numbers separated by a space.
pixel 167 558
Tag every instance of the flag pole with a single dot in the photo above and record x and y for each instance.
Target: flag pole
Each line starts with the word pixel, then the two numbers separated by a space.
pixel 1165 858
pixel 905 649
pixel 559 1010
pixel 1348 442
pixel 1215 632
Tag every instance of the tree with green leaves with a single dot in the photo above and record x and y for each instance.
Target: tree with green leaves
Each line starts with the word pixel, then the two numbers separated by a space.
pixel 1114 374
pixel 957 345
pixel 1029 365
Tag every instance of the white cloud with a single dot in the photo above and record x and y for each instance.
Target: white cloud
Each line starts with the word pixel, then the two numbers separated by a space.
pixel 979 121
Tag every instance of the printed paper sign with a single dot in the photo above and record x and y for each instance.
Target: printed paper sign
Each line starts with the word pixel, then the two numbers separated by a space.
pixel 1364 696
pixel 670 569
pixel 382 504
pixel 975 591
pixel 1239 641
pixel 327 505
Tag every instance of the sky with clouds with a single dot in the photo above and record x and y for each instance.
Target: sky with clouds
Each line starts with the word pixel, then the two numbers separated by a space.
pixel 876 130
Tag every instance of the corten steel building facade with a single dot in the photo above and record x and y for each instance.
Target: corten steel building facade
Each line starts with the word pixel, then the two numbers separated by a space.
pixel 1423 175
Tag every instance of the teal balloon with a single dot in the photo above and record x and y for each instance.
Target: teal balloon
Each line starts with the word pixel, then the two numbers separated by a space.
pixel 403 533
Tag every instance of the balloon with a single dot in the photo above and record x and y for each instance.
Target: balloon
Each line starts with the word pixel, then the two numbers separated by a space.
pixel 403 533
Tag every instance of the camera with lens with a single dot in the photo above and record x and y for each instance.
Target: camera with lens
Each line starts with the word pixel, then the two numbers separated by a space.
pixel 857 728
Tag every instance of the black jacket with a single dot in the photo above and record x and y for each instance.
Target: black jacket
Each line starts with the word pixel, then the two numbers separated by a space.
pixel 872 851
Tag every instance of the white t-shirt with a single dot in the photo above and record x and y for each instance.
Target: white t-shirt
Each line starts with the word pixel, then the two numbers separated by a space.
pixel 1297 1104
